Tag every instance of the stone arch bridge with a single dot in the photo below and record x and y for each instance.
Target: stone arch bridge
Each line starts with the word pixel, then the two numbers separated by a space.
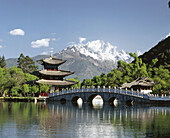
pixel 108 95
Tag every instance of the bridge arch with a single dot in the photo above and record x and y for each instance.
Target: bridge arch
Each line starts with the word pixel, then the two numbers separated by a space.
pixel 75 99
pixel 63 100
pixel 113 100
pixel 92 96
pixel 130 102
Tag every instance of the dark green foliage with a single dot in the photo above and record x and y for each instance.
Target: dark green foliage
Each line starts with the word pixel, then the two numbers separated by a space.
pixel 78 85
pixel 26 64
pixel 2 62
pixel 161 52
pixel 44 88
pixel 13 82
pixel 127 72
pixel 169 4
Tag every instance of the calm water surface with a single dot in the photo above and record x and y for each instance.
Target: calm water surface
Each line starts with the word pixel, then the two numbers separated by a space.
pixel 71 121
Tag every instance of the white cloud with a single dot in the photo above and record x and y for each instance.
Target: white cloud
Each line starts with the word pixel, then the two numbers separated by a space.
pixel 17 32
pixel 1 40
pixel 40 43
pixel 1 46
pixel 44 53
pixel 81 39
pixel 53 39
pixel 52 48
pixel 167 35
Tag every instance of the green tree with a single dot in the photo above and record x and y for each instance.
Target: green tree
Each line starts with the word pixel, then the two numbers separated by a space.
pixel 103 77
pixel 14 78
pixel 78 85
pixel 25 89
pixel 44 88
pixel 15 90
pixel 97 80
pixel 26 64
pixel 2 62
pixel 34 90
pixel 128 72
pixel 2 81
pixel 29 77
pixel 21 61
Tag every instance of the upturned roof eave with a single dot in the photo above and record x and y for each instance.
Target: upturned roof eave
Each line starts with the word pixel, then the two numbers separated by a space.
pixel 57 82
pixel 139 82
pixel 56 73
pixel 51 61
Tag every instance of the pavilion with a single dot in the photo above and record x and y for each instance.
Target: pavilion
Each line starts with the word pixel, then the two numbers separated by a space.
pixel 143 84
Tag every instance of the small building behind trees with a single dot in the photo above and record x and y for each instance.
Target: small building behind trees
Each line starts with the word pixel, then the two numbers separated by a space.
pixel 143 84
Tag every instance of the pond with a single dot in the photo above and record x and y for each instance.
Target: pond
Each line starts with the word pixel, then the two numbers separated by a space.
pixel 20 119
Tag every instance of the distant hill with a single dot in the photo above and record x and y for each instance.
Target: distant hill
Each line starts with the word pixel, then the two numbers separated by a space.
pixel 86 60
pixel 11 62
pixel 161 51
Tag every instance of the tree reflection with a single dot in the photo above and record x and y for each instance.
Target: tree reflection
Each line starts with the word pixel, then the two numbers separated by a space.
pixel 53 119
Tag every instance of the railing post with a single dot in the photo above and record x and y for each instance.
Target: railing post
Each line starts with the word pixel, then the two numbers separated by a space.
pixel 82 89
pixel 66 90
pixel 120 90
pixel 77 89
pixel 115 89
pixel 72 89
pixel 87 88
pixel 137 92
pixel 93 88
pixel 103 88
pixel 98 87
pixel 109 88
pixel 132 91
pixel 125 90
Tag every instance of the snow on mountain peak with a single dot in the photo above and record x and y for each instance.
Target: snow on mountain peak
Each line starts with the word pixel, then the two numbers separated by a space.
pixel 100 50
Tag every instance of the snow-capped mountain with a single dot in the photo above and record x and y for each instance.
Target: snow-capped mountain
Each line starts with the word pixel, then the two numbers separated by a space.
pixel 99 50
pixel 87 59
pixel 92 58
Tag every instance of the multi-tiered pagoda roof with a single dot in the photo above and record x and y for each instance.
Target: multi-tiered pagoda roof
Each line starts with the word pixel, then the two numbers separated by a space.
pixel 51 74
pixel 51 60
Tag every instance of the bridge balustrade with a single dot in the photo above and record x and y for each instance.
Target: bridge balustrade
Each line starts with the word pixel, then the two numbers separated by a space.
pixel 99 89
pixel 111 90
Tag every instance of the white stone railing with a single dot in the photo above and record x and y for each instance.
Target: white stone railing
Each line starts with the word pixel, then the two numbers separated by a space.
pixel 158 97
pixel 101 90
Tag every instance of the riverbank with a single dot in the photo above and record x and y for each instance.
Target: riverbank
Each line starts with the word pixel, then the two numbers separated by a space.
pixel 18 99
pixel 23 99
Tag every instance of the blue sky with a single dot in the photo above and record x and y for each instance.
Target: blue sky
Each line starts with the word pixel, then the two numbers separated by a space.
pixel 45 25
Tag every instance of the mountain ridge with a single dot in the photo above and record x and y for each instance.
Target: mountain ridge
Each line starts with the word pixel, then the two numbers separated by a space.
pixel 87 59
pixel 161 51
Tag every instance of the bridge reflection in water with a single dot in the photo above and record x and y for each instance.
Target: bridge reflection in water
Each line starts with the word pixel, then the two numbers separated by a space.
pixel 54 119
